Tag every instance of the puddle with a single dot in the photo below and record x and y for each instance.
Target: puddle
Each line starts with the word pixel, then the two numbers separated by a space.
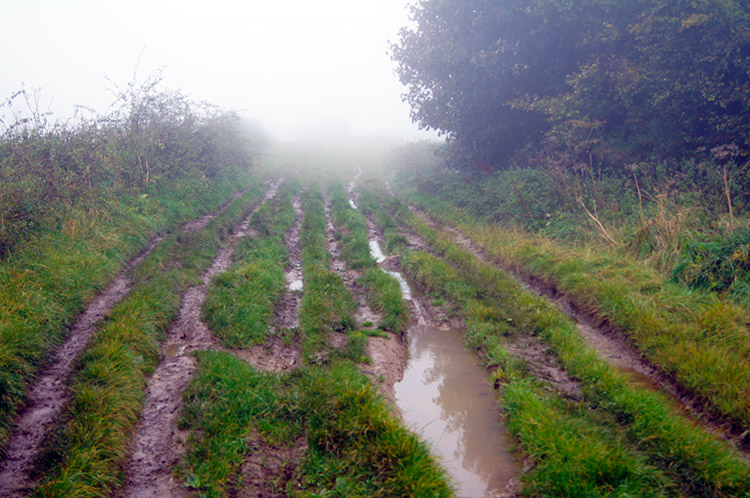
pixel 447 399
pixel 402 283
pixel 376 252
pixel 296 285
pixel 351 203
pixel 379 257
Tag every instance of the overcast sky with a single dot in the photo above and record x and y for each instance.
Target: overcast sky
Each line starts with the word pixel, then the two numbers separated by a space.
pixel 300 67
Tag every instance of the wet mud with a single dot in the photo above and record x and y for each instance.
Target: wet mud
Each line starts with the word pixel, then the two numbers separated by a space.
pixel 441 390
pixel 269 468
pixel 157 445
pixel 276 355
pixel 364 313
pixel 49 394
pixel 286 314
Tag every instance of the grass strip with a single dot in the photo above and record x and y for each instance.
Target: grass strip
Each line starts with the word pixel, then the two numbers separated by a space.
pixel 240 302
pixel 84 456
pixel 326 304
pixel 356 447
pixel 702 465
pixel 382 290
pixel 699 339
pixel 46 282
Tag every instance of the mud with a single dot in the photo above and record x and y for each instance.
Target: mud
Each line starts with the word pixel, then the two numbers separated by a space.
pixel 387 363
pixel 49 394
pixel 157 445
pixel 613 347
pixel 286 313
pixel 364 313
pixel 276 355
pixel 544 365
pixel 269 468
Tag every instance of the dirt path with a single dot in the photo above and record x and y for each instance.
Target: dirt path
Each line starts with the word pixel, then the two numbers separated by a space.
pixel 282 350
pixel 613 347
pixel 364 313
pixel 49 394
pixel 157 445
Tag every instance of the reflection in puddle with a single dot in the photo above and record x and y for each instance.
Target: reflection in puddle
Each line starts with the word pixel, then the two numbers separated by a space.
pixel 296 285
pixel 376 252
pixel 446 398
pixel 351 203
pixel 402 283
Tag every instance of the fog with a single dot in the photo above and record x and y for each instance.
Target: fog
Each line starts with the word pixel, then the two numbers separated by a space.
pixel 305 70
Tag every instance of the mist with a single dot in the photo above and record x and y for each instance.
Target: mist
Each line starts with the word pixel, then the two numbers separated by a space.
pixel 307 71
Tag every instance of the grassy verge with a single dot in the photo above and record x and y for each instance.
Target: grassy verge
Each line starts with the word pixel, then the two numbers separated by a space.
pixel 240 302
pixel 383 293
pixel 356 448
pixel 85 454
pixel 699 339
pixel 47 281
pixel 665 450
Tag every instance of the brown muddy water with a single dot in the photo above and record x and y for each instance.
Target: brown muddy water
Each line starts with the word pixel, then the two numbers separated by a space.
pixel 446 398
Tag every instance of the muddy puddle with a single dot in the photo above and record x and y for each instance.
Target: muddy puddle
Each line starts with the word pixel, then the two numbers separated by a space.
pixel 376 252
pixel 445 397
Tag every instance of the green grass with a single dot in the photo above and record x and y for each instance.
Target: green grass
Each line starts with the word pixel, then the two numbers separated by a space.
pixel 47 281
pixel 382 290
pixel 495 306
pixel 85 454
pixel 356 447
pixel 240 302
pixel 327 305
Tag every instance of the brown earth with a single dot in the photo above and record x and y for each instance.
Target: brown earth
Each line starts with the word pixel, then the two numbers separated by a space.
pixel 269 468
pixel 157 446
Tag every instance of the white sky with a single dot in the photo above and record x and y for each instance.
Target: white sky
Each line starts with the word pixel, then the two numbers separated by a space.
pixel 299 67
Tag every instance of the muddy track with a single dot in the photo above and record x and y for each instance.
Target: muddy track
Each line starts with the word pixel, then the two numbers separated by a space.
pixel 280 353
pixel 268 468
pixel 49 394
pixel 200 224
pixel 364 313
pixel 157 446
pixel 539 361
pixel 613 346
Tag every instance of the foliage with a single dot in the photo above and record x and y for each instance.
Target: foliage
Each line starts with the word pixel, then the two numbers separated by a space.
pixel 150 141
pixel 719 263
pixel 582 84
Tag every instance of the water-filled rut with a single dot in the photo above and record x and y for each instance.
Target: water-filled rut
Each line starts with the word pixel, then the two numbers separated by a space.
pixel 444 395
